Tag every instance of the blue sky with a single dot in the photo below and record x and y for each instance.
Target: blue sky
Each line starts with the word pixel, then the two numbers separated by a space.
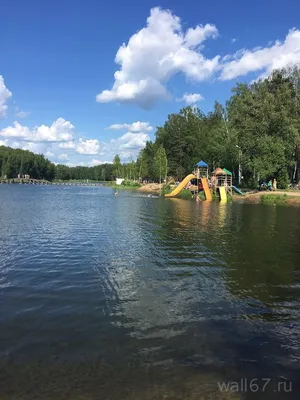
pixel 58 93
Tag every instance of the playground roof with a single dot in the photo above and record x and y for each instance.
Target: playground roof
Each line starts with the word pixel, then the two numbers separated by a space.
pixel 219 171
pixel 227 172
pixel 201 164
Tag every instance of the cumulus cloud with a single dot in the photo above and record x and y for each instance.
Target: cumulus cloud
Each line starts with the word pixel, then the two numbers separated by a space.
pixel 162 49
pixel 60 131
pixel 80 152
pixel 67 145
pixel 4 142
pixel 35 147
pixel 266 60
pixel 76 151
pixel 156 53
pixel 127 145
pixel 133 140
pixel 191 98
pixel 63 157
pixel 134 127
pixel 95 162
pixel 195 36
pixel 88 147
pixel 5 94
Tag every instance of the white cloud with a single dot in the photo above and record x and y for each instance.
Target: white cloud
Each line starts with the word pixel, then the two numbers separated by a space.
pixel 35 147
pixel 4 142
pixel 137 126
pixel 191 98
pixel 16 131
pixel 276 56
pixel 76 164
pixel 88 147
pixel 22 114
pixel 5 94
pixel 156 53
pixel 133 140
pixel 195 36
pixel 95 162
pixel 63 157
pixel 60 131
pixel 163 49
pixel 127 146
pixel 67 145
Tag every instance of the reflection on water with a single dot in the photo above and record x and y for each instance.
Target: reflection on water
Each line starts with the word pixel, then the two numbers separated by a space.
pixel 136 297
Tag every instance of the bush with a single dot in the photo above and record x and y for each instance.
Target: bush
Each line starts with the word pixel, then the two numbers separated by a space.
pixel 131 183
pixel 185 194
pixel 202 196
pixel 166 189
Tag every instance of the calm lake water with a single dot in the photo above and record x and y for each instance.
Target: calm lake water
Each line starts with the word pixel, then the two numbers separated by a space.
pixel 131 297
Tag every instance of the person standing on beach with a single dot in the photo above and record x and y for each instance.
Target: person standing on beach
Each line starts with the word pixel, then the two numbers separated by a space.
pixel 270 185
pixel 274 184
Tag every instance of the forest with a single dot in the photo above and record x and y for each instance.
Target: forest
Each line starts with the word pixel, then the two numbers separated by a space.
pixel 256 135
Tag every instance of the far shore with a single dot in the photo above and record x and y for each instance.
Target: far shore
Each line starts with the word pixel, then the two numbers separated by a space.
pixel 287 197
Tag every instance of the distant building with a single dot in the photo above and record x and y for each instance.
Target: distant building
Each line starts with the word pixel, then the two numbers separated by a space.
pixel 27 176
pixel 119 181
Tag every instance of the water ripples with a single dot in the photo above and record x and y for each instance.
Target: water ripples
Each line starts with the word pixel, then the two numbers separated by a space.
pixel 87 276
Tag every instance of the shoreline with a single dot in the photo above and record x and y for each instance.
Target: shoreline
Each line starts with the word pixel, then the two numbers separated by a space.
pixel 281 197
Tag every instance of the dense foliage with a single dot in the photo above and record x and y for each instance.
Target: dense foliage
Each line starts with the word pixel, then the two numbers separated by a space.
pixel 257 132
pixel 258 129
pixel 102 172
pixel 16 161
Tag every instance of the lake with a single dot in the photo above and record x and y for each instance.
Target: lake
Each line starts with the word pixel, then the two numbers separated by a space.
pixel 133 297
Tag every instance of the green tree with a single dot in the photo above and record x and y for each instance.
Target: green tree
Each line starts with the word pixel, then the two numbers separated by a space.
pixel 161 164
pixel 117 166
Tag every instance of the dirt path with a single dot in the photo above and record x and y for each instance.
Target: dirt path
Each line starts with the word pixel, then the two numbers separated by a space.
pixel 150 188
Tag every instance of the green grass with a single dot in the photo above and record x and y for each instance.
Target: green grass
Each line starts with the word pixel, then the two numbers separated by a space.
pixel 132 184
pixel 126 185
pixel 273 198
pixel 122 187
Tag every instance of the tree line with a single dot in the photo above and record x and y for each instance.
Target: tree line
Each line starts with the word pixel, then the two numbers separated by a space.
pixel 14 162
pixel 256 133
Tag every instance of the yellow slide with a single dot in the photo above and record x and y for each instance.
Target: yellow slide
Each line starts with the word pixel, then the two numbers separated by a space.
pixel 206 189
pixel 223 196
pixel 181 186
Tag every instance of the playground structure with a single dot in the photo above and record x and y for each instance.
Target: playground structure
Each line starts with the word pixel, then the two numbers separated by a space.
pixel 219 183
